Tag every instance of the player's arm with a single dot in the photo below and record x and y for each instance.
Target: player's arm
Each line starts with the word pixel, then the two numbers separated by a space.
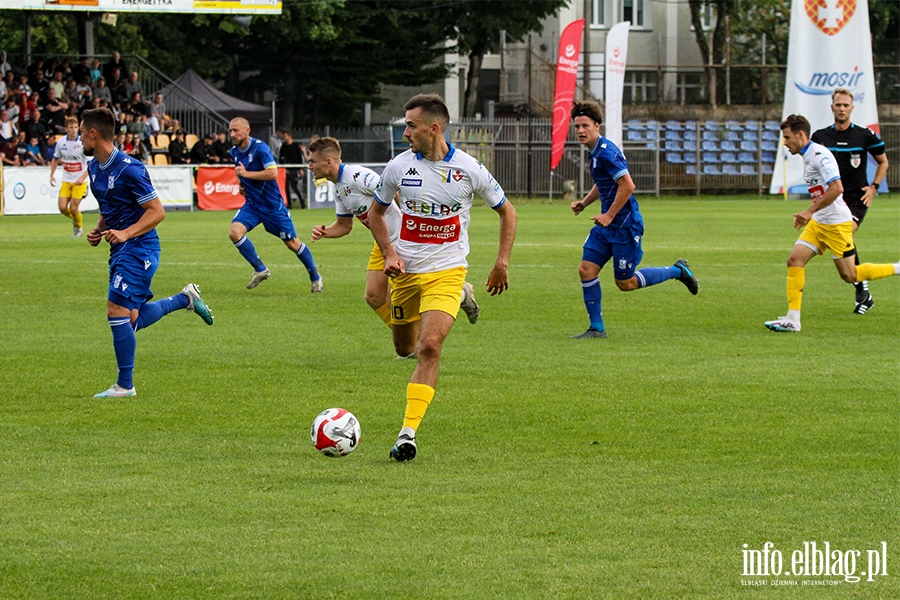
pixel 96 234
pixel 835 188
pixel 498 278
pixel 53 164
pixel 393 264
pixel 270 173
pixel 341 227
pixel 154 213
pixel 623 193
pixel 580 205
pixel 880 173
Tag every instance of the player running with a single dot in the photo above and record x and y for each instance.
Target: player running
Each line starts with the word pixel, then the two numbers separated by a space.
pixel 828 223
pixel 130 210
pixel 257 172
pixel 618 230
pixel 849 144
pixel 436 183
pixel 70 152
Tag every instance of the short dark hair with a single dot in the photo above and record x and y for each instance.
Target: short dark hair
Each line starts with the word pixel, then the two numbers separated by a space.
pixel 591 110
pixel 285 130
pixel 101 120
pixel 432 106
pixel 328 145
pixel 796 123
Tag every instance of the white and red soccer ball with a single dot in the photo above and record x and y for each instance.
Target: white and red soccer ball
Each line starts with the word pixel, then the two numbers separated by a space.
pixel 335 432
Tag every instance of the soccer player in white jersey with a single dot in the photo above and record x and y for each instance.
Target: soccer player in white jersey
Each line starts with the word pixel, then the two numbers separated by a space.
pixel 828 223
pixel 436 183
pixel 70 152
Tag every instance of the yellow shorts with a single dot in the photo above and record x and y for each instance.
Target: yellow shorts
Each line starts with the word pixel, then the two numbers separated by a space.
pixel 837 238
pixel 70 190
pixel 415 293
pixel 376 259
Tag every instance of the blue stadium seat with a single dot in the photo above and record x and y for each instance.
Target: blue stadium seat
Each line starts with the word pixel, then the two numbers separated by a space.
pixel 710 157
pixel 773 126
pixel 690 124
pixel 748 146
pixel 711 125
pixel 770 135
pixel 673 146
pixel 673 125
pixel 711 170
pixel 729 146
pixel 633 136
pixel 750 136
pixel 751 125
pixel 634 124
pixel 728 157
pixel 673 157
pixel 732 136
pixel 767 169
pixel 746 157
pixel 748 170
pixel 690 169
pixel 709 146
pixel 690 135
pixel 767 157
pixel 673 135
pixel 651 124
pixel 711 136
pixel 733 126
pixel 650 146
pixel 729 170
pixel 651 133
pixel 690 146
pixel 769 146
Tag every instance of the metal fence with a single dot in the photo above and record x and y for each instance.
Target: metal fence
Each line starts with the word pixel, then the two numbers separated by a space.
pixel 672 157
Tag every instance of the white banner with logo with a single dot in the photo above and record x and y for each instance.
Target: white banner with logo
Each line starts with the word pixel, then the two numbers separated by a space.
pixel 27 190
pixel 830 47
pixel 271 7
pixel 616 57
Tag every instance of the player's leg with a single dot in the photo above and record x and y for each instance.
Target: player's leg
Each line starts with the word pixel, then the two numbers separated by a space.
pixel 124 345
pixel 378 289
pixel 594 255
pixel 863 300
pixel 804 250
pixel 78 193
pixel 187 299
pixel 245 220
pixel 279 224
pixel 405 316
pixel 305 256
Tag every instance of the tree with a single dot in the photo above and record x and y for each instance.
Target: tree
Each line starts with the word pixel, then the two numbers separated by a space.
pixel 712 54
pixel 478 27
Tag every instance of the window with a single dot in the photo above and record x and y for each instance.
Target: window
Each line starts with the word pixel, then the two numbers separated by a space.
pixel 691 88
pixel 640 87
pixel 633 11
pixel 708 15
pixel 598 13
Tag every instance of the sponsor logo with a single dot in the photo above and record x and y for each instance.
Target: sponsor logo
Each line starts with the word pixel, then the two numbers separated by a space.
pixel 430 208
pixel 216 187
pixel 19 190
pixel 816 191
pixel 823 83
pixel 411 182
pixel 356 176
pixel 830 16
pixel 570 50
pixel 147 264
pixel 412 171
pixel 430 231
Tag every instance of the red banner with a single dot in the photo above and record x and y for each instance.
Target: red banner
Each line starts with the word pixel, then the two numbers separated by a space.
pixel 218 188
pixel 566 77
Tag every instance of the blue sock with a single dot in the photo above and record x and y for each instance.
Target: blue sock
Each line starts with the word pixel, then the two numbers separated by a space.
pixel 593 299
pixel 653 275
pixel 124 345
pixel 306 258
pixel 152 312
pixel 245 247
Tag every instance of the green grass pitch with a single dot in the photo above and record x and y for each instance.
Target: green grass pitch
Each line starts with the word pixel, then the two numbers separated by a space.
pixel 633 467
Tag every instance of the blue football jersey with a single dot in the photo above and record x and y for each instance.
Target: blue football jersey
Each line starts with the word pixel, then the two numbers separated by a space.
pixel 121 185
pixel 608 165
pixel 263 195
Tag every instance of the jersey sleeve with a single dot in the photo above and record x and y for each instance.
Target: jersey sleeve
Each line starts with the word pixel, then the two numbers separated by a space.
pixel 388 184
pixel 874 144
pixel 339 209
pixel 484 184
pixel 264 155
pixel 137 178
pixel 828 167
pixel 367 181
pixel 614 164
pixel 57 153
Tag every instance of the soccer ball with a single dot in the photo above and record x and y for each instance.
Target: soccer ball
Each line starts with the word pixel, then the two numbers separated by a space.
pixel 335 432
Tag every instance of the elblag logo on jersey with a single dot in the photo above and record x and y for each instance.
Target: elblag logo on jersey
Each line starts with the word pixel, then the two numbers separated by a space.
pixel 830 16
pixel 432 208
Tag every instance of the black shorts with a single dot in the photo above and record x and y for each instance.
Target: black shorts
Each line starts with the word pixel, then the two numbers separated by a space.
pixel 857 209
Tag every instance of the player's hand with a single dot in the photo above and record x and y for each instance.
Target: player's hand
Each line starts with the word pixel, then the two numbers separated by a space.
pixel 94 236
pixel 239 170
pixel 393 265
pixel 318 232
pixel 602 220
pixel 801 219
pixel 115 236
pixel 52 181
pixel 498 280
pixel 577 207
pixel 868 194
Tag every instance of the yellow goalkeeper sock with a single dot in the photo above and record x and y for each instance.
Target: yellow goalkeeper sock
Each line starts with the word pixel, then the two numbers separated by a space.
pixel 418 397
pixel 795 280
pixel 66 212
pixel 78 219
pixel 870 272
pixel 384 312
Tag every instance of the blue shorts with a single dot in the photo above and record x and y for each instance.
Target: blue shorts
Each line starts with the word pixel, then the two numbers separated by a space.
pixel 131 271
pixel 622 245
pixel 276 221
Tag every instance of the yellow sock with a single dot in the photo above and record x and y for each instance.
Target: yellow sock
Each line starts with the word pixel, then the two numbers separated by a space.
pixel 78 219
pixel 870 272
pixel 384 312
pixel 66 212
pixel 795 281
pixel 418 397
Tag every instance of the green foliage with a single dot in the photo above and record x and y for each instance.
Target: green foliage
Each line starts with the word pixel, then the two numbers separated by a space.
pixel 633 467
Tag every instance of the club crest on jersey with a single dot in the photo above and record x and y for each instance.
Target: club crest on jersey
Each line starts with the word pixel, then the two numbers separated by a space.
pixel 830 16
pixel 348 190
pixel 458 175
pixel 855 160
pixel 112 182
pixel 117 281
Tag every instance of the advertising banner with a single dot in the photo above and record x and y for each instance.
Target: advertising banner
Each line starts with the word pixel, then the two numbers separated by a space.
pixel 269 7
pixel 218 188
pixel 830 47
pixel 27 191
pixel 616 57
pixel 566 78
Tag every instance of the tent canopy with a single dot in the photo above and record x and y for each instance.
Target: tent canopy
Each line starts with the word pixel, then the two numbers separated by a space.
pixel 259 116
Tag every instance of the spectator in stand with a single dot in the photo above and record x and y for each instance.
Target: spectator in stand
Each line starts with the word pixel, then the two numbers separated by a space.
pixel 35 127
pixel 50 67
pixel 22 150
pixel 138 106
pixel 8 131
pixel 8 85
pixel 12 110
pixel 9 154
pixel 24 87
pixel 291 153
pixel 20 67
pixel 119 142
pixel 71 93
pixel 4 65
pixel 34 152
pixel 39 84
pixel 138 149
pixel 178 151
pixel 158 112
pixel 81 70
pixel 55 109
pixel 33 68
pixel 132 85
pixel 95 71
pixel 57 84
pixel 101 91
pixel 48 149
pixel 84 91
pixel 138 128
pixel 117 87
pixel 115 63
pixel 221 149
pixel 201 151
